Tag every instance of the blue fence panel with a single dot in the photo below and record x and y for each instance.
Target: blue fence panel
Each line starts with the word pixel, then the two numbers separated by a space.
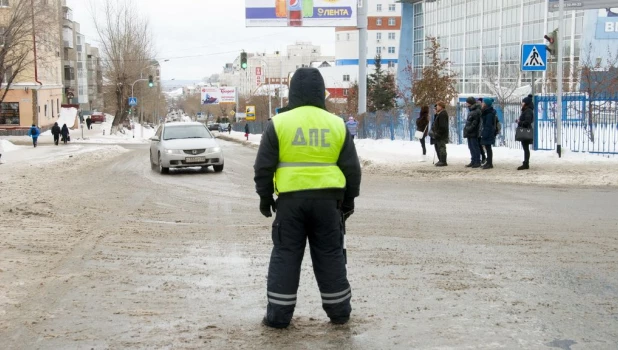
pixel 588 125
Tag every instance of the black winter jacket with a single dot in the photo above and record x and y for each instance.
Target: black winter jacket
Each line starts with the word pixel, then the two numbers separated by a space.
pixel 473 123
pixel 526 119
pixel 307 89
pixel 440 127
pixel 55 130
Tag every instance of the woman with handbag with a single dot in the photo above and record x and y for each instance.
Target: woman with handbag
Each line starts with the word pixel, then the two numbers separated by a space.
pixel 525 121
pixel 422 123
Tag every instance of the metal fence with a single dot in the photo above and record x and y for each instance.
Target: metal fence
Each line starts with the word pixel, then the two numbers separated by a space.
pixel 588 125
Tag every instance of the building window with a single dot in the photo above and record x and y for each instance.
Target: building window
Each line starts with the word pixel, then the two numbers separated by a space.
pixel 69 73
pixel 391 64
pixel 337 37
pixel 45 109
pixel 378 50
pixel 378 36
pixel 9 113
pixel 4 3
pixel 391 7
pixel 348 37
pixel 391 49
pixel 391 22
pixel 346 77
pixel 345 92
pixel 379 7
pixel 391 36
pixel 379 21
pixel 8 73
pixel 2 30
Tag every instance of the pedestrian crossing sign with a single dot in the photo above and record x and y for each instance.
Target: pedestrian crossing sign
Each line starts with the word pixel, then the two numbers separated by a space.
pixel 533 58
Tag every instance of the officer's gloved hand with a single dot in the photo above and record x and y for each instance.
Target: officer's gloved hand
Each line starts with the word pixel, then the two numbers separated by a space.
pixel 266 203
pixel 347 207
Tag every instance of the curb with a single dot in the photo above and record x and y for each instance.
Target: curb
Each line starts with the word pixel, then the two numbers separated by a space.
pixel 242 142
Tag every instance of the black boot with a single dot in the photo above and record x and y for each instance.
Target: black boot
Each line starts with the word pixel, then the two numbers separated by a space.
pixel 488 165
pixel 440 161
pixel 483 160
pixel 444 160
pixel 524 166
pixel 469 165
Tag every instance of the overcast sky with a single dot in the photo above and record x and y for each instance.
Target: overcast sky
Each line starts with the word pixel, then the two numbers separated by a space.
pixel 214 30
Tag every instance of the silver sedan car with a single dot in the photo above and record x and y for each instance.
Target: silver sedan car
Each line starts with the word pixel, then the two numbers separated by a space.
pixel 184 145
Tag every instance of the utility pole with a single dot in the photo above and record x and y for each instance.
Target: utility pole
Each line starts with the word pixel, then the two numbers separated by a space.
pixel 560 78
pixel 362 56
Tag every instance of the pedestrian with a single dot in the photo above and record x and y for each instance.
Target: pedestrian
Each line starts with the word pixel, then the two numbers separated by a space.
pixel 489 118
pixel 472 132
pixel 65 133
pixel 34 132
pixel 352 126
pixel 526 119
pixel 422 124
pixel 229 128
pixel 481 149
pixel 247 131
pixel 56 132
pixel 439 133
pixel 88 123
pixel 307 155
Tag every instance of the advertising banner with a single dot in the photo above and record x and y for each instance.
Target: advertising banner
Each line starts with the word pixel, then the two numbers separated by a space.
pixel 554 5
pixel 211 95
pixel 215 95
pixel 228 95
pixel 607 24
pixel 300 13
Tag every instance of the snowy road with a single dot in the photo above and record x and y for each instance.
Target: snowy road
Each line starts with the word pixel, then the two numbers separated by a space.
pixel 101 252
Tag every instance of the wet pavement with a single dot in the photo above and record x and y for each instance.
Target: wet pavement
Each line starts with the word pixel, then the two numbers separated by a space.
pixel 119 256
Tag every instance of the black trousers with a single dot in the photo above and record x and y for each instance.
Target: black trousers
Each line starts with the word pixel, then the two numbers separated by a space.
pixel 319 220
pixel 526 146
pixel 423 145
pixel 482 149
pixel 490 155
pixel 56 139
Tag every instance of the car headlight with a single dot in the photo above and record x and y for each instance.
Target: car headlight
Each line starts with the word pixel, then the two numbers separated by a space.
pixel 173 151
pixel 214 150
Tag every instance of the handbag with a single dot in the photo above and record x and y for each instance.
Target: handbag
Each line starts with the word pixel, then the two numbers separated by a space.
pixel 524 134
pixel 420 134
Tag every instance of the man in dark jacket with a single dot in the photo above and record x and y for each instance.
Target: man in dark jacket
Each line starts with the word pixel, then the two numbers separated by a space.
pixel 308 158
pixel 440 129
pixel 65 133
pixel 526 120
pixel 481 149
pixel 55 130
pixel 471 132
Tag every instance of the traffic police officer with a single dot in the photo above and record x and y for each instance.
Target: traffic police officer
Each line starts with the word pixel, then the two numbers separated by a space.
pixel 308 158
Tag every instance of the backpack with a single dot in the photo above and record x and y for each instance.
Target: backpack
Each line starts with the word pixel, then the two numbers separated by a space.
pixel 33 132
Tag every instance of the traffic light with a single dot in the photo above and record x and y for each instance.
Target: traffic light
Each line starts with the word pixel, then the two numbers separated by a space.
pixel 243 60
pixel 552 46
pixel 150 81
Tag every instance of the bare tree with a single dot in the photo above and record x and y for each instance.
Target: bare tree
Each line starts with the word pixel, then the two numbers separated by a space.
pixel 437 81
pixel 599 81
pixel 126 47
pixel 501 81
pixel 23 21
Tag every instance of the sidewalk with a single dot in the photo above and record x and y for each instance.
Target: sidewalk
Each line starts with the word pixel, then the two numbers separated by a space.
pixel 404 158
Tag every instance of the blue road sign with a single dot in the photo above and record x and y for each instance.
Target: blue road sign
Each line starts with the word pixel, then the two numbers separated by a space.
pixel 533 58
pixel 132 101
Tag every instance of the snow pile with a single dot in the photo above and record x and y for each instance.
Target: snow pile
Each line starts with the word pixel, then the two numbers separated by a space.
pixel 7 146
pixel 101 134
pixel 69 117
pixel 185 119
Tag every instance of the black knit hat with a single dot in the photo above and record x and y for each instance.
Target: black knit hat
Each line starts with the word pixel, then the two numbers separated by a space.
pixel 527 100
pixel 470 100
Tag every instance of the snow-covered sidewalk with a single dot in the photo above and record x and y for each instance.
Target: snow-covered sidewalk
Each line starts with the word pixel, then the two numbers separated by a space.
pixel 386 157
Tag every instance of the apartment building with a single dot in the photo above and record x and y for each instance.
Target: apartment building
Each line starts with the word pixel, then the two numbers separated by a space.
pixel 35 95
pixel 384 24
pixel 95 78
pixel 270 68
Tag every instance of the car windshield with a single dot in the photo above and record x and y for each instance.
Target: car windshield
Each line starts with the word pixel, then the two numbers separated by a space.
pixel 186 132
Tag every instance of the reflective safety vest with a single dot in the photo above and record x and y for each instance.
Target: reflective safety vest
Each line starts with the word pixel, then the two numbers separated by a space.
pixel 310 141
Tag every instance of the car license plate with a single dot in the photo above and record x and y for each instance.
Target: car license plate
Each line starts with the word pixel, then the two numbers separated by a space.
pixel 195 159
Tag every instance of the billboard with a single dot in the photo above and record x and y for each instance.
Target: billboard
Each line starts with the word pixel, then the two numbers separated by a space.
pixel 607 23
pixel 300 13
pixel 215 95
